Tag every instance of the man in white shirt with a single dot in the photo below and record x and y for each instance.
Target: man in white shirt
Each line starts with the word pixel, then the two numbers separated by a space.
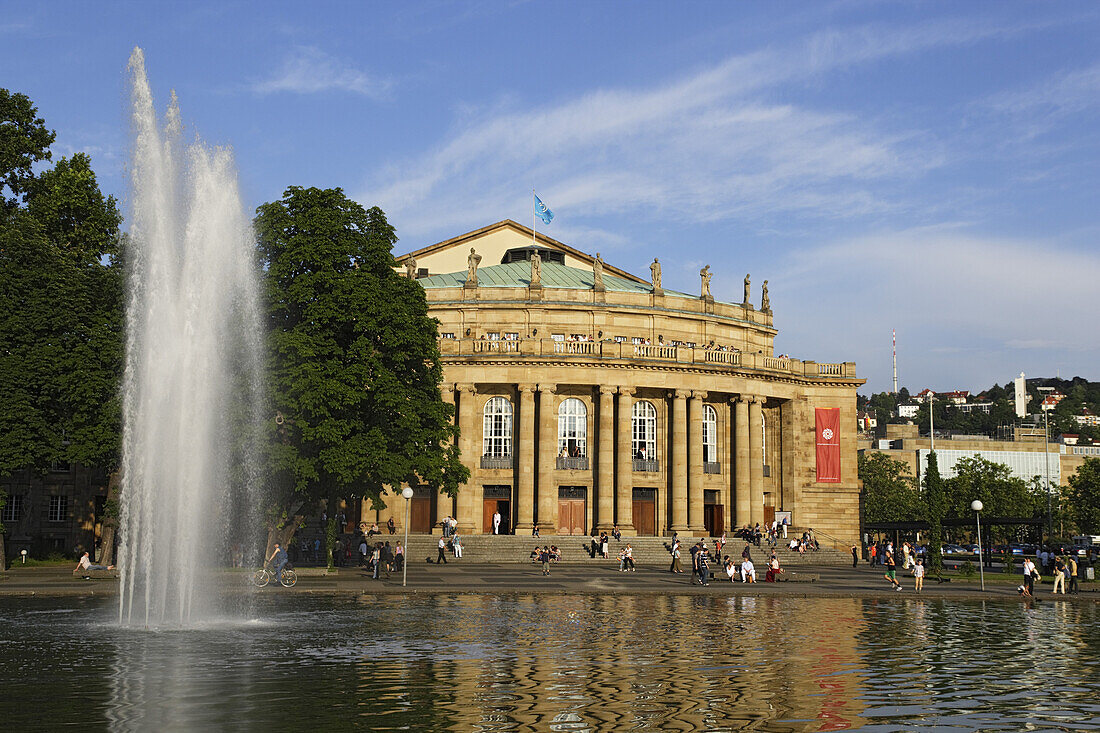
pixel 748 571
pixel 496 522
pixel 86 564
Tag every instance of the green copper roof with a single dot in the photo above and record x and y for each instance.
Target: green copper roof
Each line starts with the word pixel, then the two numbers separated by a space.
pixel 518 275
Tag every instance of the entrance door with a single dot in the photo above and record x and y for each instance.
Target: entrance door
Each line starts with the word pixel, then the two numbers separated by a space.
pixel 644 512
pixel 714 516
pixel 571 516
pixel 490 507
pixel 420 515
pixel 769 515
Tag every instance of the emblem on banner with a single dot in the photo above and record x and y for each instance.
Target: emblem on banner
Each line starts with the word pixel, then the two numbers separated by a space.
pixel 827 434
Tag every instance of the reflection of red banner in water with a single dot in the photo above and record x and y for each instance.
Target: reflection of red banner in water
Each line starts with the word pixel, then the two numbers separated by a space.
pixel 828 444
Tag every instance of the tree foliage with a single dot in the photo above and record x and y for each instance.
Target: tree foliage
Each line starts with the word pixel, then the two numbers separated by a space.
pixel 935 504
pixel 354 366
pixel 889 489
pixel 1001 493
pixel 61 301
pixel 1083 494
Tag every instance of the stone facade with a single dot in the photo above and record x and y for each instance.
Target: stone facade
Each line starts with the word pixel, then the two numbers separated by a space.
pixel 631 406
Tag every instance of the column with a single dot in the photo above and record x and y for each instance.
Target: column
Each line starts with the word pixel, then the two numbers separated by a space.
pixel 548 452
pixel 444 504
pixel 525 445
pixel 624 491
pixel 466 501
pixel 756 460
pixel 695 465
pixel 606 488
pixel 725 451
pixel 741 466
pixel 679 461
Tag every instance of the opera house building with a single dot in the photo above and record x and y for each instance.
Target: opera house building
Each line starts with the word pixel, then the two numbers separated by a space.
pixel 588 397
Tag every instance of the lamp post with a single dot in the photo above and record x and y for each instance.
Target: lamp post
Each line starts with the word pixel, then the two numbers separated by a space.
pixel 977 506
pixel 406 492
pixel 1046 457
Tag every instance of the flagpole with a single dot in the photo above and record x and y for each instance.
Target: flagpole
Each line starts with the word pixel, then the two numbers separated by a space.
pixel 534 216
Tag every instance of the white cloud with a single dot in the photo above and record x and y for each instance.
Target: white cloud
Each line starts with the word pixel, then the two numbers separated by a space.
pixel 713 145
pixel 309 70
pixel 1039 108
pixel 964 306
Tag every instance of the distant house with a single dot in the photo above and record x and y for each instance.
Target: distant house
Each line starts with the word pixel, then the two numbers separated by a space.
pixel 924 395
pixel 1068 438
pixel 1051 401
pixel 908 411
pixel 985 407
pixel 1085 417
pixel 866 420
pixel 958 397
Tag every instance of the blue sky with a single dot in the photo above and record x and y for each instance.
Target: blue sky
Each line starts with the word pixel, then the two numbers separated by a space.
pixel 929 167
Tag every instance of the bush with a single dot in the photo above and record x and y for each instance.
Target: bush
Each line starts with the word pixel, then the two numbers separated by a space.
pixel 967 570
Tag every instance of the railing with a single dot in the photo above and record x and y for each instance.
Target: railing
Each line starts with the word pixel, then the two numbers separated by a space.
pixel 496 462
pixel 573 463
pixel 722 357
pixel 712 467
pixel 776 364
pixel 576 347
pixel 712 358
pixel 642 465
pixel 503 347
pixel 646 351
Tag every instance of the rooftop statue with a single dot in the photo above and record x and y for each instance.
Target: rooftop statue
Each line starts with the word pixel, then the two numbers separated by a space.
pixel 655 272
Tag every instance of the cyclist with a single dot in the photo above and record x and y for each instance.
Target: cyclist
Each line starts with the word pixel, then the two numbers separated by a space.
pixel 279 558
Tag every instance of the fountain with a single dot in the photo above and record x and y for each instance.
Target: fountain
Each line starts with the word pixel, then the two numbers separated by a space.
pixel 191 391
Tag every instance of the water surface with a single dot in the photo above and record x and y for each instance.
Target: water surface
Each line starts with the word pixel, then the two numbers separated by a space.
pixel 569 663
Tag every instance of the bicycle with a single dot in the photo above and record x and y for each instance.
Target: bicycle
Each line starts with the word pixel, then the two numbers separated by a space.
pixel 263 576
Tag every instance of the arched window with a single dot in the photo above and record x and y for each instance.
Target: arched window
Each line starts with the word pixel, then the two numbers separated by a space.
pixel 572 429
pixel 498 428
pixel 644 431
pixel 710 434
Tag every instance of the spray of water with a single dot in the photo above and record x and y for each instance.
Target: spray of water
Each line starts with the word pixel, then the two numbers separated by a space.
pixel 191 393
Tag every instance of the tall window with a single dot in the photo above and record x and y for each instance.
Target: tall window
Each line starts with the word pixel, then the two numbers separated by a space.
pixel 498 428
pixel 710 434
pixel 59 508
pixel 644 431
pixel 13 510
pixel 572 429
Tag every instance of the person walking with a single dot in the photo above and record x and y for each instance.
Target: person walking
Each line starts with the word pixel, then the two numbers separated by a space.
pixel 891 569
pixel 1059 576
pixel 605 546
pixel 871 555
pixel 544 558
pixel 704 566
pixel 399 557
pixel 694 562
pixel 456 545
pixel 918 575
pixel 442 557
pixel 628 558
pixel 1072 567
pixel 496 522
pixel 363 552
pixel 675 567
pixel 855 557
pixel 376 560
pixel 1030 574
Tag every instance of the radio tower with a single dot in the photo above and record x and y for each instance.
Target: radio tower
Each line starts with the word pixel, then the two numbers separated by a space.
pixel 894 338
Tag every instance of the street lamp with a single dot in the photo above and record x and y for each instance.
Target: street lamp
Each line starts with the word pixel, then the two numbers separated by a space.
pixel 1046 457
pixel 406 492
pixel 977 506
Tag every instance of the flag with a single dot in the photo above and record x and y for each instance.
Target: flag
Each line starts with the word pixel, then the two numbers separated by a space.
pixel 542 211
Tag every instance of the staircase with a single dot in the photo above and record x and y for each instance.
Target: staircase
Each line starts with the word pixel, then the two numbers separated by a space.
pixel 648 551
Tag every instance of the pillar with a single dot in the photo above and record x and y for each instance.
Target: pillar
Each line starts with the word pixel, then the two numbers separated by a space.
pixel 695 462
pixel 606 486
pixel 444 504
pixel 466 502
pixel 741 466
pixel 624 490
pixel 525 444
pixel 548 452
pixel 756 460
pixel 679 461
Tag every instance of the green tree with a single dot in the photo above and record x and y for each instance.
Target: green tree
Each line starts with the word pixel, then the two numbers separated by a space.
pixel 935 502
pixel 1083 495
pixel 889 490
pixel 1001 493
pixel 24 141
pixel 355 366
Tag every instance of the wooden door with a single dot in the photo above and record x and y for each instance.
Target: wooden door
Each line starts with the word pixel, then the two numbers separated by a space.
pixel 769 515
pixel 420 515
pixel 644 515
pixel 571 516
pixel 713 518
pixel 489 508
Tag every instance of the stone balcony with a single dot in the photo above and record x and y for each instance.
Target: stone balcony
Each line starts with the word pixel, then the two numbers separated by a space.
pixel 646 353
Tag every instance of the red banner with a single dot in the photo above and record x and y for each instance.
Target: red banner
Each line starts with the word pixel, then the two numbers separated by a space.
pixel 828 444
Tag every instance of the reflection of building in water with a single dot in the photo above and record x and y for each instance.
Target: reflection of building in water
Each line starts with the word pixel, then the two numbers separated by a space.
pixel 581 407
pixel 633 662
